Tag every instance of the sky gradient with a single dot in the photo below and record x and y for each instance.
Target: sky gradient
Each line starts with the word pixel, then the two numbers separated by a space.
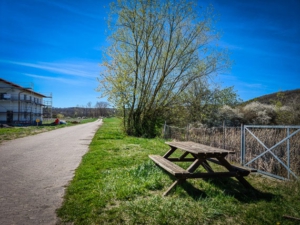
pixel 56 46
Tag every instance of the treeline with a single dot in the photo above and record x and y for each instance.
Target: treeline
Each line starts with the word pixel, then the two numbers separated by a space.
pixel 261 114
pixel 281 108
pixel 100 109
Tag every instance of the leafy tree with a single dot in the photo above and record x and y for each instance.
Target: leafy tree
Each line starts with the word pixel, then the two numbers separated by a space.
pixel 278 100
pixel 295 107
pixel 158 48
pixel 231 116
pixel 284 115
pixel 204 100
pixel 220 97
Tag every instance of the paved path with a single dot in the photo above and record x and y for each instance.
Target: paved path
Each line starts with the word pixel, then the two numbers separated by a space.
pixel 35 170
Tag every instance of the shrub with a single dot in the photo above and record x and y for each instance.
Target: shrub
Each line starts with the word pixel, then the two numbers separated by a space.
pixel 258 113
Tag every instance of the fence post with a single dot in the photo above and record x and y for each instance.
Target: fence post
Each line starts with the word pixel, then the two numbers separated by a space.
pixel 224 134
pixel 242 145
pixel 187 132
pixel 165 130
pixel 288 151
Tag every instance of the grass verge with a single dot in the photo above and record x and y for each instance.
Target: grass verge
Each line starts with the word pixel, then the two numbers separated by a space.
pixel 18 132
pixel 117 183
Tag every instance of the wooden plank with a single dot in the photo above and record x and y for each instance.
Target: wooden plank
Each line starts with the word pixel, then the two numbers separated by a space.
pixel 184 155
pixel 194 165
pixel 170 152
pixel 172 186
pixel 197 148
pixel 207 167
pixel 172 168
pixel 291 217
pixel 211 175
pixel 181 160
pixel 235 166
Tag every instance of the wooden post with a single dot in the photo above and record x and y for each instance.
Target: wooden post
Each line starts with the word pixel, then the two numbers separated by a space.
pixel 224 134
pixel 164 135
pixel 242 145
pixel 187 132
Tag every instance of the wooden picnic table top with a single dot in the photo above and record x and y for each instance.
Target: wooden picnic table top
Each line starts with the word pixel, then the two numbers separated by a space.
pixel 197 148
pixel 202 154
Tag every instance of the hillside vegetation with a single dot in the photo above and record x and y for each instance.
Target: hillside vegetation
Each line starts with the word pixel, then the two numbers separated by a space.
pixel 290 97
pixel 281 108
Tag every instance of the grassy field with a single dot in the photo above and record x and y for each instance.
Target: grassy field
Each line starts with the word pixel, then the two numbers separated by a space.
pixel 18 132
pixel 117 183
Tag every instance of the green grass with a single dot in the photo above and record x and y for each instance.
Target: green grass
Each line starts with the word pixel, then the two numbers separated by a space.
pixel 117 183
pixel 18 132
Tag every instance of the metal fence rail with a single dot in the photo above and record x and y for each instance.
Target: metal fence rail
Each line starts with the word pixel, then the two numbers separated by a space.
pixel 282 155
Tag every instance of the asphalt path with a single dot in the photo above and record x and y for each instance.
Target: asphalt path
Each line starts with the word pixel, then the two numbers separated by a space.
pixel 35 170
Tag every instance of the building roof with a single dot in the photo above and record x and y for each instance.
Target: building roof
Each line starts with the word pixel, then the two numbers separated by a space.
pixel 22 88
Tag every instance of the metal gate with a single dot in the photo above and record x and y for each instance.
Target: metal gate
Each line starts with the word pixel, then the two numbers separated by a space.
pixel 271 155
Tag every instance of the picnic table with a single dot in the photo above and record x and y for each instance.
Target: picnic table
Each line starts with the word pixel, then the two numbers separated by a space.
pixel 199 155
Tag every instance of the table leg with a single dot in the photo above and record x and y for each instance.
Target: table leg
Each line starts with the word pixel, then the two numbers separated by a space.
pixel 183 156
pixel 179 181
pixel 195 165
pixel 239 177
pixel 170 152
pixel 207 166
pixel 191 169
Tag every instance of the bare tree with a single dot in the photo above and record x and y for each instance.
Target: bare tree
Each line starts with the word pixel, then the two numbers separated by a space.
pixel 89 109
pixel 102 109
pixel 158 48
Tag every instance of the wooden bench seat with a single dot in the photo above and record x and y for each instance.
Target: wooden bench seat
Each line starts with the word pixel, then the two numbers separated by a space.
pixel 172 168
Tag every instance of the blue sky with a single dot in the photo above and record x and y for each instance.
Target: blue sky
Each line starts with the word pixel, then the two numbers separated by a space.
pixel 56 46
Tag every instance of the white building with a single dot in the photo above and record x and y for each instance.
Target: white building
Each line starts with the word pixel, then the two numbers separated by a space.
pixel 19 105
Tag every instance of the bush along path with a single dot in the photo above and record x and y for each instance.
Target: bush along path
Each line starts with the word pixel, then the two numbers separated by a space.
pixel 117 183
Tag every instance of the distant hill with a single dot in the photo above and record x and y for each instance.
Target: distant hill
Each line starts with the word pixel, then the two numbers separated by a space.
pixel 290 97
